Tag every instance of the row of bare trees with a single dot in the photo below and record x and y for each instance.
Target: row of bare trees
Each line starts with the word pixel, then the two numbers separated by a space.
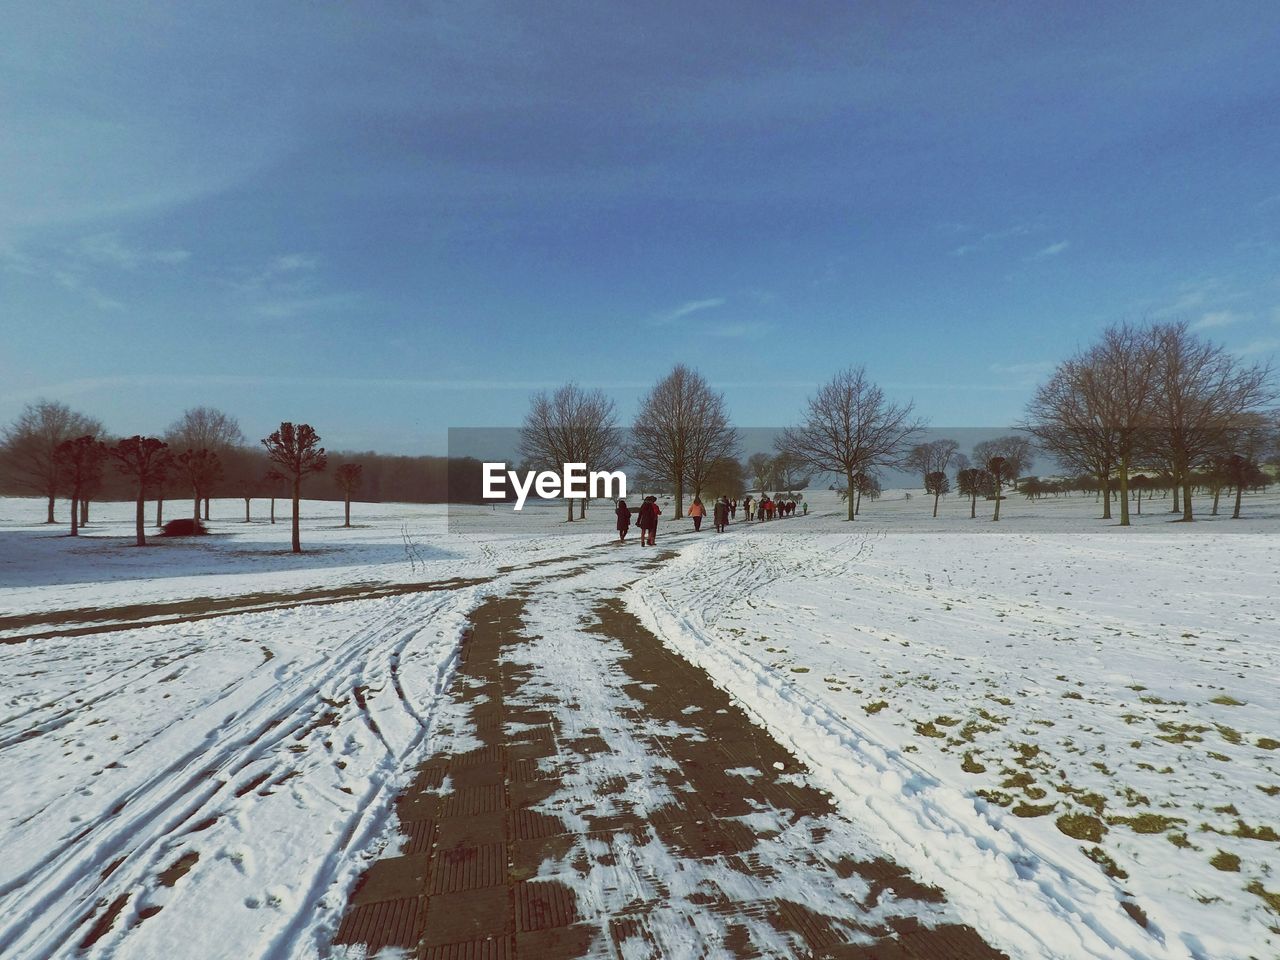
pixel 1155 398
pixel 681 436
pixel 53 450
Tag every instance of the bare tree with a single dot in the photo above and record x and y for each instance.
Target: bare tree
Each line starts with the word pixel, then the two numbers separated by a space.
pixel 145 460
pixel 274 479
pixel 760 470
pixel 931 461
pixel 571 425
pixel 201 469
pixel 78 462
pixel 204 428
pixel 1205 392
pixel 682 429
pixel 1005 458
pixel 349 476
pixel 973 482
pixel 850 428
pixel 297 451
pixel 29 445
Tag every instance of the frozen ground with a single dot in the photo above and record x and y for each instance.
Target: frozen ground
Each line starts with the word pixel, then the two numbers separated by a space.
pixel 960 687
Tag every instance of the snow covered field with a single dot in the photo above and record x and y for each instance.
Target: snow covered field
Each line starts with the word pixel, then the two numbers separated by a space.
pixel 1049 716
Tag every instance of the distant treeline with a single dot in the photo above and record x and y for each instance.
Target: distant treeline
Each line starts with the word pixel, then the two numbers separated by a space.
pixel 384 479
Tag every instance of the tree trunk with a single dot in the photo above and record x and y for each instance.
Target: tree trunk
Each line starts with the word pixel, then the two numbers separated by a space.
pixel 569 504
pixel 1139 501
pixel 160 510
pixel 195 509
pixel 936 495
pixel 273 509
pixel 1235 514
pixel 246 509
pixel 996 516
pixel 582 509
pixel 1186 496
pixel 297 497
pixel 853 510
pixel 973 505
pixel 52 498
pixel 206 508
pixel 347 511
pixel 75 514
pixel 1217 495
pixel 140 517
pixel 84 511
pixel 1124 491
pixel 858 504
pixel 1174 493
pixel 679 498
pixel 1106 496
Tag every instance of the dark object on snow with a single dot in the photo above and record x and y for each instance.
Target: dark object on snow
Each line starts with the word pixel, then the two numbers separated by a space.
pixel 186 527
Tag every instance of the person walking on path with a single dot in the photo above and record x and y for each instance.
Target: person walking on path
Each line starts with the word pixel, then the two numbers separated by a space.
pixel 746 505
pixel 733 509
pixel 624 520
pixel 722 514
pixel 647 520
pixel 697 511
pixel 805 508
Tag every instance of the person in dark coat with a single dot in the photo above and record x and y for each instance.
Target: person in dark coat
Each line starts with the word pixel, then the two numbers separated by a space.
pixel 647 520
pixel 722 514
pixel 624 520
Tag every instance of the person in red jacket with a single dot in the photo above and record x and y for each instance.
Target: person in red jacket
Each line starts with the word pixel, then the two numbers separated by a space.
pixel 647 520
pixel 624 520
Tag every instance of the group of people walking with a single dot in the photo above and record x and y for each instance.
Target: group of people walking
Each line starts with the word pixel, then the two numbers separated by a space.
pixel 723 511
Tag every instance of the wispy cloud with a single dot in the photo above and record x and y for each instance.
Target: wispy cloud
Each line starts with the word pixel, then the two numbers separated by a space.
pixel 1024 374
pixel 284 308
pixel 1216 319
pixel 685 309
pixel 1052 250
pixel 1258 347
pixel 992 237
pixel 108 249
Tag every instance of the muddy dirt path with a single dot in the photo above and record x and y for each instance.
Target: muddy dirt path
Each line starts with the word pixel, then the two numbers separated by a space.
pixel 598 796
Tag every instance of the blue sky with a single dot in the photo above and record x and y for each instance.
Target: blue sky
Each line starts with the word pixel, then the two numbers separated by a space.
pixel 392 218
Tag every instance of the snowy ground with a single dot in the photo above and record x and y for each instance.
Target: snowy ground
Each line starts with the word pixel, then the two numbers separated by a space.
pixel 961 687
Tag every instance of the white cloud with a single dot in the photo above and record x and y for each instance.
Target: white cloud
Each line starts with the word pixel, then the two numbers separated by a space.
pixel 108 249
pixel 1052 250
pixel 1216 319
pixel 685 309
pixel 1258 347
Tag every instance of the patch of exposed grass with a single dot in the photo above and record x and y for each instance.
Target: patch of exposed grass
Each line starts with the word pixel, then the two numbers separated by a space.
pixel 1266 743
pixel 995 796
pixel 1180 841
pixel 1272 900
pixel 1094 801
pixel 1226 700
pixel 1228 734
pixel 927 729
pixel 1227 862
pixel 799 669
pixel 1029 810
pixel 970 765
pixel 1081 826
pixel 1108 865
pixel 1269 791
pixel 945 721
pixel 874 708
pixel 1147 822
